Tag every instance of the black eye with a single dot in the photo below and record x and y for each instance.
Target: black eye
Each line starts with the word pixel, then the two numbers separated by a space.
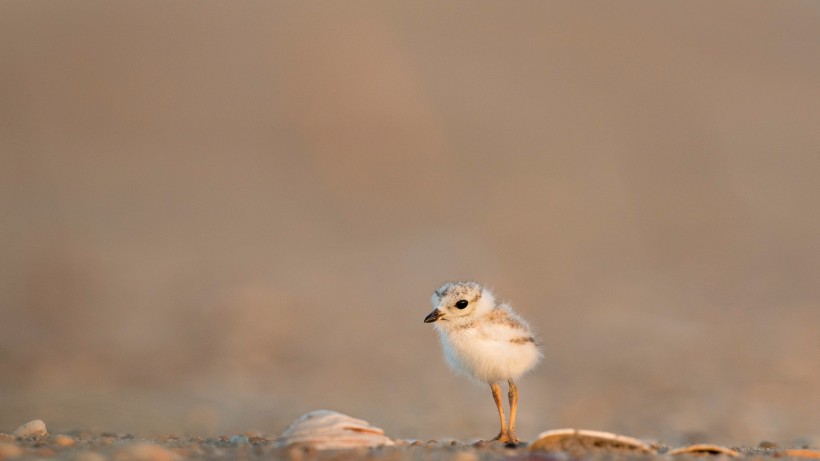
pixel 462 304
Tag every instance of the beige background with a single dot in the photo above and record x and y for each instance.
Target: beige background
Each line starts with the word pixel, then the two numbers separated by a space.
pixel 217 216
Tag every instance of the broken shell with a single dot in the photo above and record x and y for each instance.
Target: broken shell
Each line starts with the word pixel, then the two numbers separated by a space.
pixel 578 442
pixel 704 449
pixel 329 430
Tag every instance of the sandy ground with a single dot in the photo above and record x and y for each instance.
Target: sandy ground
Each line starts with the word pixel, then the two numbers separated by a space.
pixel 87 446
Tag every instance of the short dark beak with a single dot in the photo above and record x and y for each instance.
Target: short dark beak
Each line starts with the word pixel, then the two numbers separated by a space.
pixel 435 315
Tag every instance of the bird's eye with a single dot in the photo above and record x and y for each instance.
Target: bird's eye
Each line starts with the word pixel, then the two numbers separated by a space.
pixel 462 304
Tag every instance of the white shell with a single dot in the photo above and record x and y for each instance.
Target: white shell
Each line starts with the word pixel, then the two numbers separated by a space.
pixel 329 430
pixel 32 429
pixel 582 441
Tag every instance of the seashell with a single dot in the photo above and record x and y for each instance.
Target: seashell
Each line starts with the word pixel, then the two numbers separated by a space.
pixel 35 429
pixel 578 442
pixel 330 430
pixel 704 449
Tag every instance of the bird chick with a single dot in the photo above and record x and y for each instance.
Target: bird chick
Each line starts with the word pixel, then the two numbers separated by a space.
pixel 485 340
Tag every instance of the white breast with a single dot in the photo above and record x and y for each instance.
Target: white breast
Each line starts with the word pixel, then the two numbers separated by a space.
pixel 487 354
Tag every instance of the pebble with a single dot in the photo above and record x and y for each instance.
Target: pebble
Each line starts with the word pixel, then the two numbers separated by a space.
pixel 64 441
pixel 239 440
pixel 9 450
pixel 31 430
pixel 142 451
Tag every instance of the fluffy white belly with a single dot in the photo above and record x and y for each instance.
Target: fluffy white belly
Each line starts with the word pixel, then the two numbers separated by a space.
pixel 488 360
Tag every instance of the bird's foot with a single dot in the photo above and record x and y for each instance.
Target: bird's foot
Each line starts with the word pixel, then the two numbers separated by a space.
pixel 509 440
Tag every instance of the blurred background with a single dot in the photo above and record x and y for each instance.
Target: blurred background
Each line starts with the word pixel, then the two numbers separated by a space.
pixel 217 216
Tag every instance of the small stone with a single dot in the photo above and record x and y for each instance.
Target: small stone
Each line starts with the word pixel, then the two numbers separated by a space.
pixel 81 435
pixel 143 452
pixel 31 430
pixel 239 440
pixel 10 450
pixel 64 441
pixel 767 444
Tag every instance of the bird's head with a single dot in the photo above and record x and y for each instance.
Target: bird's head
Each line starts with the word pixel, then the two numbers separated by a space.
pixel 458 303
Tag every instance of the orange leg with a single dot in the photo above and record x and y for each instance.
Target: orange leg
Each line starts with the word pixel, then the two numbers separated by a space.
pixel 502 436
pixel 513 395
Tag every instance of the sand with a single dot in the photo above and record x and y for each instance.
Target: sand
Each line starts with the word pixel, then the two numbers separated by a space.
pixel 87 446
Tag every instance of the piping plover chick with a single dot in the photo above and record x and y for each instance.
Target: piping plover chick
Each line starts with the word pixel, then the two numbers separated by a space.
pixel 485 340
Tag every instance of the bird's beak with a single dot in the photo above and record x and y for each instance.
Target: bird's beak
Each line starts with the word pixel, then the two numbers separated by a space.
pixel 433 316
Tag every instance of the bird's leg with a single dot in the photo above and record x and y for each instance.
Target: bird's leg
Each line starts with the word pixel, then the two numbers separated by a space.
pixel 502 436
pixel 513 394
